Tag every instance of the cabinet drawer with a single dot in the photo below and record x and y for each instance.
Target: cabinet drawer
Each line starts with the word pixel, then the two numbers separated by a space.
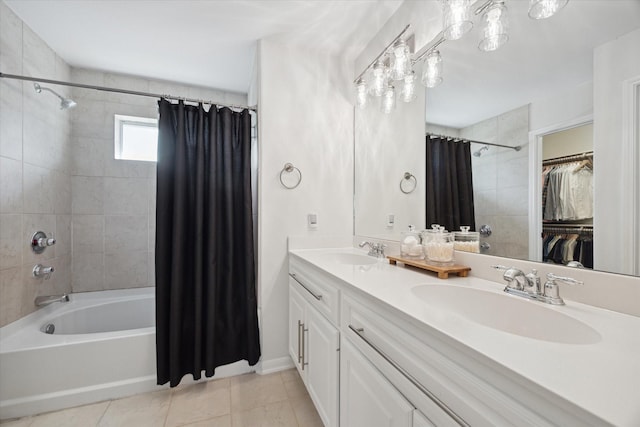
pixel 318 291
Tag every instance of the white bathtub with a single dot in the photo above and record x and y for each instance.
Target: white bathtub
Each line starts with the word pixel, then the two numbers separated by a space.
pixel 103 348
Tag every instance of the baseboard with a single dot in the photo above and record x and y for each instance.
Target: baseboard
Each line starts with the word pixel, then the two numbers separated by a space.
pixel 274 365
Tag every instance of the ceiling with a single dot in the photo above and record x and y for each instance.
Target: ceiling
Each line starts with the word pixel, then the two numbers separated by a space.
pixel 541 59
pixel 206 43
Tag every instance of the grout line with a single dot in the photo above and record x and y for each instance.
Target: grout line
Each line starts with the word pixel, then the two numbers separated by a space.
pixel 103 414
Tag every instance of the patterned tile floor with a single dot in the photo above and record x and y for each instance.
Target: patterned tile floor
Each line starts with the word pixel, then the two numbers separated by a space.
pixel 251 400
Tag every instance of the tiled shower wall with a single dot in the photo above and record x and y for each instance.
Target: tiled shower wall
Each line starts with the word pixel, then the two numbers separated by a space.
pixel 35 163
pixel 113 201
pixel 58 174
pixel 501 180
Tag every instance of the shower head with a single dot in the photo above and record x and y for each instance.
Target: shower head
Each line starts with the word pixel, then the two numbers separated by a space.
pixel 65 103
pixel 479 152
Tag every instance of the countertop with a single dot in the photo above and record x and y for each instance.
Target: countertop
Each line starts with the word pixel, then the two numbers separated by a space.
pixel 602 378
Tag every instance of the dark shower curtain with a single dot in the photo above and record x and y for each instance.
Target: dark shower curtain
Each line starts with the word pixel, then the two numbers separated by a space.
pixel 206 311
pixel 449 184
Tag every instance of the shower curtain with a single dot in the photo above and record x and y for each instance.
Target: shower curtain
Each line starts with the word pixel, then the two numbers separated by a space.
pixel 206 311
pixel 449 184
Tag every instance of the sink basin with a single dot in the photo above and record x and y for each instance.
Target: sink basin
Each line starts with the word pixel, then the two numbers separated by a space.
pixel 509 314
pixel 350 259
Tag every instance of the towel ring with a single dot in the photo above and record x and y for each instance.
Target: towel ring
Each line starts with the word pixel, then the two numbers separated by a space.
pixel 288 167
pixel 407 178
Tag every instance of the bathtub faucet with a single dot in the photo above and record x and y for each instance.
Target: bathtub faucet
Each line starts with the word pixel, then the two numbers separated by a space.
pixel 42 271
pixel 46 300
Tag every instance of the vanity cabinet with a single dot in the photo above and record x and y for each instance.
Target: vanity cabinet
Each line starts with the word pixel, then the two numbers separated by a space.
pixel 314 343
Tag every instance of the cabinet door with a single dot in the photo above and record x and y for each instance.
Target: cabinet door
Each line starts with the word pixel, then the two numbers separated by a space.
pixel 322 357
pixel 296 322
pixel 367 398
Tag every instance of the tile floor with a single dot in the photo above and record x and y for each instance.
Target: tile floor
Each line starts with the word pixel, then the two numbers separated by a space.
pixel 251 400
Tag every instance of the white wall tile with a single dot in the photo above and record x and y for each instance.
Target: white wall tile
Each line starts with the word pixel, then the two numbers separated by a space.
pixel 39 193
pixel 10 185
pixel 38 58
pixel 89 154
pixel 63 235
pixel 125 196
pixel 87 272
pixel 10 41
pixel 10 294
pixel 61 192
pixel 126 270
pixel 60 280
pixel 87 195
pixel 151 269
pixel 123 233
pixel 88 234
pixel 11 119
pixel 10 240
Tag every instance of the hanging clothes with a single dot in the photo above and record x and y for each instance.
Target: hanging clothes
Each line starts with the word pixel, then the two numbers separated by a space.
pixel 567 193
pixel 562 248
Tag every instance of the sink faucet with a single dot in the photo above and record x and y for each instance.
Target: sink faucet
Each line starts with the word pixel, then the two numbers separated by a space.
pixel 530 286
pixel 46 300
pixel 375 249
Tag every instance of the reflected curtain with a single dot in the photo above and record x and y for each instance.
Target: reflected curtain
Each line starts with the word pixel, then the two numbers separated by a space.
pixel 449 184
pixel 206 311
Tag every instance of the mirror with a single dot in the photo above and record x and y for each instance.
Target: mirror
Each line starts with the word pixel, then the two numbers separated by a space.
pixel 578 67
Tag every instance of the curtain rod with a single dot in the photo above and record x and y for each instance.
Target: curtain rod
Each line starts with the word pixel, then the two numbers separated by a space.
pixel 517 147
pixel 569 158
pixel 125 91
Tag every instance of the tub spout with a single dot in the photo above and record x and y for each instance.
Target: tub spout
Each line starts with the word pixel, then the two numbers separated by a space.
pixel 46 300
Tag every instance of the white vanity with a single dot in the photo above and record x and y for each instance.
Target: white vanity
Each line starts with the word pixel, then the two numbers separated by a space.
pixel 383 345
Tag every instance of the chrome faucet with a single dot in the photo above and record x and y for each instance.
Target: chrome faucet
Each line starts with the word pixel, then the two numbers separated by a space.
pixel 530 286
pixel 41 271
pixel 46 300
pixel 375 249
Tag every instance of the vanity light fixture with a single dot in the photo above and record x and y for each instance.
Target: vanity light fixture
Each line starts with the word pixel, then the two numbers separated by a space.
pixel 543 9
pixel 408 91
pixel 432 69
pixel 400 60
pixel 388 101
pixel 378 78
pixel 495 26
pixel 456 19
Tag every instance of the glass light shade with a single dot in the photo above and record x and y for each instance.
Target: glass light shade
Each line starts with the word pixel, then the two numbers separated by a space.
pixel 432 70
pixel 495 27
pixel 456 18
pixel 361 93
pixel 542 9
pixel 400 63
pixel 388 100
pixel 408 91
pixel 378 79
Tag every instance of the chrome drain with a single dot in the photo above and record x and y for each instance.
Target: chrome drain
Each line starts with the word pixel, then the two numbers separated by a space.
pixel 50 328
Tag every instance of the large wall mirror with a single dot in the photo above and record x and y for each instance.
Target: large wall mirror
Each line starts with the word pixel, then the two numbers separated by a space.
pixel 561 87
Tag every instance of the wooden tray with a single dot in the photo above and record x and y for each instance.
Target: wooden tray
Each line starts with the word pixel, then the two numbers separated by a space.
pixel 442 270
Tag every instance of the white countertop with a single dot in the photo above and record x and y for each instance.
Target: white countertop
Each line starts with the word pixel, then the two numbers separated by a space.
pixel 602 378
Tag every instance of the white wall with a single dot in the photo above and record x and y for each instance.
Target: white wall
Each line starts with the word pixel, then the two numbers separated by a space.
pixel 305 117
pixel 614 63
pixel 567 142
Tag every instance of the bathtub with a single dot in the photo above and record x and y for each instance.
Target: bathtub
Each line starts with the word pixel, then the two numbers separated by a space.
pixel 103 347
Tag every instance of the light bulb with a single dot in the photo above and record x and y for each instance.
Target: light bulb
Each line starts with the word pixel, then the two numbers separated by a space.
pixel 378 78
pixel 400 60
pixel 408 92
pixel 432 70
pixel 388 101
pixel 361 93
pixel 456 19
pixel 495 27
pixel 543 9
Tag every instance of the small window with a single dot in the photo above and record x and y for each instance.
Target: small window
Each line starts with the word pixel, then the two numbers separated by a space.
pixel 136 138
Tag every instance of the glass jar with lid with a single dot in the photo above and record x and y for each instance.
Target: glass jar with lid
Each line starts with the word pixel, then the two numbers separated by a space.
pixel 438 247
pixel 411 244
pixel 467 241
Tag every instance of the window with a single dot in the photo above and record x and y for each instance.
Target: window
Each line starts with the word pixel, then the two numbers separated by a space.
pixel 136 138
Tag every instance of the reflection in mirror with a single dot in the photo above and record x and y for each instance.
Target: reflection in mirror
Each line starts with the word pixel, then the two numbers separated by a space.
pixel 578 67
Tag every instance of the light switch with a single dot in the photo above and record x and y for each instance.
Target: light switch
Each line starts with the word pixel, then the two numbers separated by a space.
pixel 391 220
pixel 312 220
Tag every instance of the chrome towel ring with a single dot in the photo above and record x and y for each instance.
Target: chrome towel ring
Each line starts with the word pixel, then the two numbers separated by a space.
pixel 412 183
pixel 289 168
